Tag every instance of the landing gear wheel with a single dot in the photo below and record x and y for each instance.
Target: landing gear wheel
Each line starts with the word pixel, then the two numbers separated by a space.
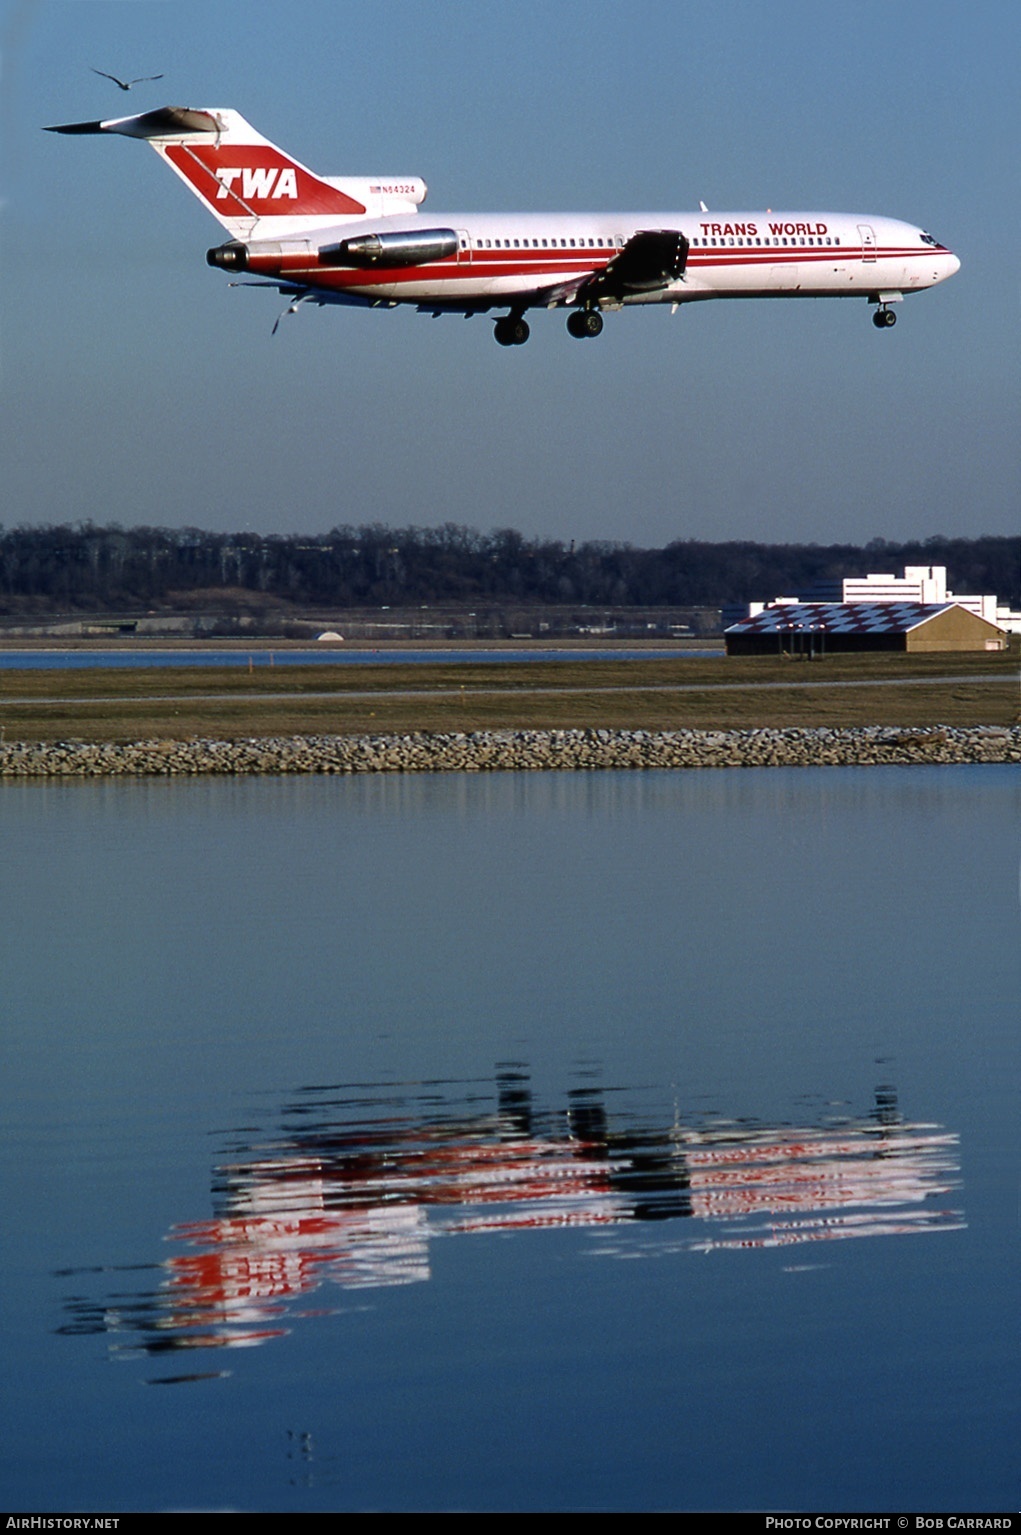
pixel 884 317
pixel 512 330
pixel 584 322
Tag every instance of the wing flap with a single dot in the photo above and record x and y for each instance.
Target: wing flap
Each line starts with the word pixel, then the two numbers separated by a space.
pixel 651 259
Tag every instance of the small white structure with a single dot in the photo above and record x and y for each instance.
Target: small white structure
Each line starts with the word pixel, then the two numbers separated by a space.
pixel 330 634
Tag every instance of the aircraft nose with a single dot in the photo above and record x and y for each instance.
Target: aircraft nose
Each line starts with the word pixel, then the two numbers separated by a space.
pixel 953 264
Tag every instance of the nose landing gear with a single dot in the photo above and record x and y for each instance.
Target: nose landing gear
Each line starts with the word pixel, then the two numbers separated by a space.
pixel 883 317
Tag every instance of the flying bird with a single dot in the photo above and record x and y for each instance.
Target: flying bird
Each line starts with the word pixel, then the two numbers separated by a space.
pixel 125 85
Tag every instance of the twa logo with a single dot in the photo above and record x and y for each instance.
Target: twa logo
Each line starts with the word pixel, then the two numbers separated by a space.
pixel 256 182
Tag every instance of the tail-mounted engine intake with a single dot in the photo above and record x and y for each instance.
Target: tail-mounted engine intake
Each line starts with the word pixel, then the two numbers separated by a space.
pixel 406 247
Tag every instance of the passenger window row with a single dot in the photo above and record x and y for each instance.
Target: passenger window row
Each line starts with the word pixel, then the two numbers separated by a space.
pixel 592 242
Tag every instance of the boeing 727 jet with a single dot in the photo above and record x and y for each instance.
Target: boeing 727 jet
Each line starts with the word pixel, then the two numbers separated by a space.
pixel 345 240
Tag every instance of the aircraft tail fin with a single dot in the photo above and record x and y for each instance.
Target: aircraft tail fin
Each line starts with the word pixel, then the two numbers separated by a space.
pixel 247 183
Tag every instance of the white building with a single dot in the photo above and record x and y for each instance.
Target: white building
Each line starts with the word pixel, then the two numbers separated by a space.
pixel 927 583
pixel 919 583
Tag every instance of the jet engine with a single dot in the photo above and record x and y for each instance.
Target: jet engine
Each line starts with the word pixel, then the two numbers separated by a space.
pixel 405 247
pixel 232 257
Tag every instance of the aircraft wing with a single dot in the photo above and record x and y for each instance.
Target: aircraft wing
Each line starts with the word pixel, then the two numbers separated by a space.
pixel 651 259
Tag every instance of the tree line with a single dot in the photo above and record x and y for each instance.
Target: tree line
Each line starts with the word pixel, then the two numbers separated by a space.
pixel 87 567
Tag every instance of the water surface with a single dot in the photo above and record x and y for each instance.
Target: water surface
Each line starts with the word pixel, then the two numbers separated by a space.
pixel 263 655
pixel 511 1141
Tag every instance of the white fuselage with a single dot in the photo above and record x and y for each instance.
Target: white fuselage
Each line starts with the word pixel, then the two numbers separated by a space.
pixel 533 258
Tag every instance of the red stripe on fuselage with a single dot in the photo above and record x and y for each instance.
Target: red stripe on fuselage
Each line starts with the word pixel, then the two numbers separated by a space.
pixel 557 266
pixel 720 255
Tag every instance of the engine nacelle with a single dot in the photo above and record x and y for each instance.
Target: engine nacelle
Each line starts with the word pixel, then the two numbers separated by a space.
pixel 268 258
pixel 232 257
pixel 404 247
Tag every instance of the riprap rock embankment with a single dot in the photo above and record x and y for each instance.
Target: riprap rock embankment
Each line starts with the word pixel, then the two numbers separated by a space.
pixel 515 751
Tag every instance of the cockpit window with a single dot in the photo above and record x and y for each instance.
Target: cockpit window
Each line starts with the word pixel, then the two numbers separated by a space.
pixel 928 238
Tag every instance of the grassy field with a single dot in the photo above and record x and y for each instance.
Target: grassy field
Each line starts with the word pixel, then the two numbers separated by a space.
pixel 123 704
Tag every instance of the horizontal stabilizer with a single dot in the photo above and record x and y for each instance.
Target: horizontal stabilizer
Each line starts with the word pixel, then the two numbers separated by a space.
pixel 74 128
pixel 163 123
pixel 247 183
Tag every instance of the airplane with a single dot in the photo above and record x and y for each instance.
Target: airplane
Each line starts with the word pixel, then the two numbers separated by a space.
pixel 362 241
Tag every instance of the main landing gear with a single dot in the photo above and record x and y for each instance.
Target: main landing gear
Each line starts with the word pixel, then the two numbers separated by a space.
pixel 584 322
pixel 511 330
pixel 883 317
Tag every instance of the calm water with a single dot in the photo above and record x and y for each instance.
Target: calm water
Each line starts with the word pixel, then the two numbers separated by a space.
pixel 78 660
pixel 511 1141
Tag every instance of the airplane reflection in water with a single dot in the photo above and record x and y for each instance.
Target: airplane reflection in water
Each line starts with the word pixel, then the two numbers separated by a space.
pixel 355 1192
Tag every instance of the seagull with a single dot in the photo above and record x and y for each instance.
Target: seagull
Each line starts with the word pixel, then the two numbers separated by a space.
pixel 125 85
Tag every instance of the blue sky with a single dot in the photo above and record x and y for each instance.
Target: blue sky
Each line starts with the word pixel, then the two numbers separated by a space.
pixel 137 387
